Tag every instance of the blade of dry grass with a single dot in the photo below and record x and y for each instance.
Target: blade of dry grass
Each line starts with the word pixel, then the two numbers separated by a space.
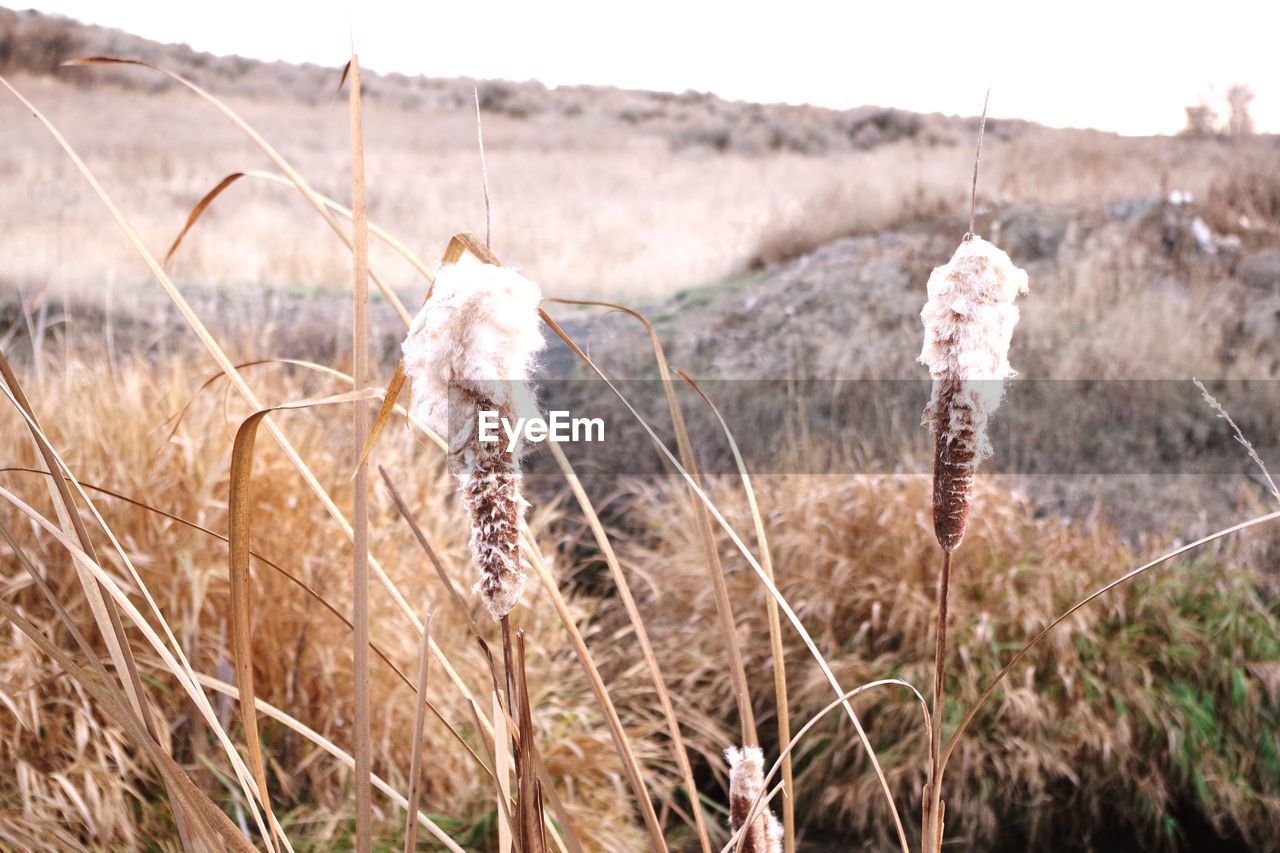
pixel 388 405
pixel 415 757
pixel 292 578
pixel 502 773
pixel 775 626
pixel 198 211
pixel 239 521
pixel 105 613
pixel 755 566
pixel 188 828
pixel 762 801
pixel 209 197
pixel 432 556
pixel 360 521
pixel 219 356
pixel 715 571
pixel 59 490
pixel 262 144
pixel 207 822
pixel 182 673
pixel 1123 579
pixel 529 815
pixel 295 725
pixel 630 766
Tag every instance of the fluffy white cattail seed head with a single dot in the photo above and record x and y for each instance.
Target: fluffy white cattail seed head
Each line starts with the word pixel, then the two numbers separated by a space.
pixel 471 349
pixel 478 332
pixel 968 324
pixel 746 781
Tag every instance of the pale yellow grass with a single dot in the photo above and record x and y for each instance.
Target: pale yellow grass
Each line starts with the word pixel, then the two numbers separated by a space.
pixel 586 205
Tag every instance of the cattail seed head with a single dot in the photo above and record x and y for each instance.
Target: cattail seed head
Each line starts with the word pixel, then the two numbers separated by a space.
pixel 968 324
pixel 746 781
pixel 471 349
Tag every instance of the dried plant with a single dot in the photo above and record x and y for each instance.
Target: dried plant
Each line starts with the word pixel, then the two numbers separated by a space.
pixel 968 323
pixel 746 781
pixel 471 349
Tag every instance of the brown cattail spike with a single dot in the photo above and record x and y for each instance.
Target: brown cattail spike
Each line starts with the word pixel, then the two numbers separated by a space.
pixel 955 461
pixel 490 478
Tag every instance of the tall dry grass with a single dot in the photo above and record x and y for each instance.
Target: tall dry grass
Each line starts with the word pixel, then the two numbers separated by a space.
pixel 298 648
pixel 581 734
pixel 1149 716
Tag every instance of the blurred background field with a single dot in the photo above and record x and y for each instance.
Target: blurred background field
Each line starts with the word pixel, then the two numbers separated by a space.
pixel 765 242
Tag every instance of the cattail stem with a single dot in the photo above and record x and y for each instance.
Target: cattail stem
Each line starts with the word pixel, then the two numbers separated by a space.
pixel 939 676
pixel 509 668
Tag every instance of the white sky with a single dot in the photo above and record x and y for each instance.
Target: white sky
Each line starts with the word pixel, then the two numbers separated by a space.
pixel 1124 66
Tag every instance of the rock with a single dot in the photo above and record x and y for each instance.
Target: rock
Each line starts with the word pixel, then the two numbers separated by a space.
pixel 1261 269
pixel 1032 233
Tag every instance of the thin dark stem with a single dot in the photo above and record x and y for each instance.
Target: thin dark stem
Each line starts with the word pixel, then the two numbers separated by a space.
pixel 508 666
pixel 939 676
pixel 977 158
pixel 1022 653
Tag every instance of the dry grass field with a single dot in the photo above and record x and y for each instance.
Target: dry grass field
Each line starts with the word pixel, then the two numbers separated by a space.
pixel 765 243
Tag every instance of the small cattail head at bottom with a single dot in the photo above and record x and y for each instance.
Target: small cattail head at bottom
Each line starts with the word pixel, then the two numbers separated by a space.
pixel 746 782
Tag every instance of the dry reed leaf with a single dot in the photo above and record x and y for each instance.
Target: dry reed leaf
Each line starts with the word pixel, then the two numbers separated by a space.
pixel 755 566
pixel 415 758
pixel 383 235
pixel 105 612
pixel 105 681
pixel 216 351
pixel 261 143
pixel 630 766
pixel 715 570
pixel 781 702
pixel 530 820
pixel 295 725
pixel 185 676
pixel 211 826
pixel 238 537
pixel 502 773
pixel 198 211
pixel 385 409
pixel 360 520
pixel 287 575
